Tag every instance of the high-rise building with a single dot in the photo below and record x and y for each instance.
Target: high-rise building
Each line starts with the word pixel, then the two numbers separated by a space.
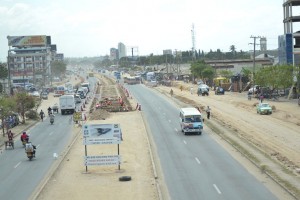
pixel 29 59
pixel 122 50
pixel 113 54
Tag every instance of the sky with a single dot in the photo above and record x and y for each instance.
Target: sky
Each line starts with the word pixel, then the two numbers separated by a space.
pixel 88 28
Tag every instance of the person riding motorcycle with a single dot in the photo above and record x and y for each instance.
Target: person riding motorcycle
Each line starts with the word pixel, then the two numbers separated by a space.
pixel 29 147
pixel 24 137
pixel 49 110
pixel 51 117
pixel 42 115
pixel 10 136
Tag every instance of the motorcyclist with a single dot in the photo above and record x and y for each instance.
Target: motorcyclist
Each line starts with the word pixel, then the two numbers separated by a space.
pixel 49 110
pixel 29 147
pixel 52 117
pixel 42 115
pixel 24 137
pixel 10 135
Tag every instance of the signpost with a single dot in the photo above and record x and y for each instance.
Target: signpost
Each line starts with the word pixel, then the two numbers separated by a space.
pixel 100 134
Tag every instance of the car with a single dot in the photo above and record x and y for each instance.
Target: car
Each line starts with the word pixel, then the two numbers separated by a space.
pixel 202 91
pixel 35 94
pixel 44 95
pixel 264 108
pixel 219 90
pixel 77 98
pixel 204 85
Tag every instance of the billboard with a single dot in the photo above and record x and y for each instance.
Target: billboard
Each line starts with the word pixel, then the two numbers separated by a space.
pixel 22 41
pixel 101 134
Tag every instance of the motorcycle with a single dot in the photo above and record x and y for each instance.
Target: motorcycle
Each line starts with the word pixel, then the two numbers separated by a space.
pixel 25 141
pixel 51 120
pixel 30 151
pixel 30 155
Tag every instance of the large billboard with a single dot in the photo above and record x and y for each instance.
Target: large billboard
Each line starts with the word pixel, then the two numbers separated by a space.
pixel 22 41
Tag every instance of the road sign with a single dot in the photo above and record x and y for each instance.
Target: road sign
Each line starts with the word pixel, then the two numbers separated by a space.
pixel 96 140
pixel 77 116
pixel 102 160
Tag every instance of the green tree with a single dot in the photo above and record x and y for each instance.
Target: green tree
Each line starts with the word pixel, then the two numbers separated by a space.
pixel 7 105
pixel 24 103
pixel 3 71
pixel 275 76
pixel 226 73
pixel 58 68
pixel 200 69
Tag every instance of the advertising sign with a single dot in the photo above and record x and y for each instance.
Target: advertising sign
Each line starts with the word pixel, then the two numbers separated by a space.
pixel 102 130
pixel 102 160
pixel 22 41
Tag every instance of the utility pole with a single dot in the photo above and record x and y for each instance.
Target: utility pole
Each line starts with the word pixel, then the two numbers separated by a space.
pixel 254 45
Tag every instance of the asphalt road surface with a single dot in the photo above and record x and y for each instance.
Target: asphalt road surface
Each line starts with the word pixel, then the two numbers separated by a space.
pixel 194 166
pixel 19 176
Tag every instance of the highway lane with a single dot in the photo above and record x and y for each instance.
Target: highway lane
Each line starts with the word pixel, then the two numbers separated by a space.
pixel 19 176
pixel 194 167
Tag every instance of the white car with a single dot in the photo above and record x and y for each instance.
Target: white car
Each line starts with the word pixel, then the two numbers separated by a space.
pixel 35 94
pixel 204 86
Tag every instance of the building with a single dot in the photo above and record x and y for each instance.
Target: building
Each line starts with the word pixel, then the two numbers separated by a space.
pixel 289 43
pixel 121 50
pixel 29 59
pixel 114 54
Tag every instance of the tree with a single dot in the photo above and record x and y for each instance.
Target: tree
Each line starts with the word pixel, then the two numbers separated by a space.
pixel 3 71
pixel 200 69
pixel 58 68
pixel 7 105
pixel 24 103
pixel 275 76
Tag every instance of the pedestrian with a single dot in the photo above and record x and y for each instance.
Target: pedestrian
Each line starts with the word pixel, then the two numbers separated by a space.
pixel 137 106
pixel 171 92
pixel 261 98
pixel 42 115
pixel 181 87
pixel 191 90
pixel 208 112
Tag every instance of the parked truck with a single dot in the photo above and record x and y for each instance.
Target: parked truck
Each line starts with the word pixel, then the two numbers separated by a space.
pixel 67 104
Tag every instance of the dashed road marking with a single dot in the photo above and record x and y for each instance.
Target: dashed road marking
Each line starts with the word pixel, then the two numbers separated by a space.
pixel 197 160
pixel 17 165
pixel 216 187
pixel 184 142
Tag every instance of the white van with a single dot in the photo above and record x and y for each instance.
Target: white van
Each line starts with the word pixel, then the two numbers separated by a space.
pixel 191 120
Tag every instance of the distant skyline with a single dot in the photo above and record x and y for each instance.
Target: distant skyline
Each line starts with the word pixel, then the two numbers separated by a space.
pixel 90 28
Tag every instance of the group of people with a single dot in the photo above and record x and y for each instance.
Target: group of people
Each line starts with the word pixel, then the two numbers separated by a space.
pixel 24 138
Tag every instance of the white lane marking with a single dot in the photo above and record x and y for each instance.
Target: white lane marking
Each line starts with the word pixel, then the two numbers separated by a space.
pixel 176 129
pixel 51 133
pixel 216 187
pixel 197 160
pixel 17 165
pixel 37 145
pixel 169 121
pixel 184 142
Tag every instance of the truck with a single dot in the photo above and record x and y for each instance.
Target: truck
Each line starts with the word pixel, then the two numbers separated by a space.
pixel 67 104
pixel 191 120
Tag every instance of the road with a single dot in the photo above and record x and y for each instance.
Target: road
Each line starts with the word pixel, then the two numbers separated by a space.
pixel 193 166
pixel 19 176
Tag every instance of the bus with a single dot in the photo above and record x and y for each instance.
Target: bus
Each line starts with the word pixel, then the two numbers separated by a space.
pixel 21 82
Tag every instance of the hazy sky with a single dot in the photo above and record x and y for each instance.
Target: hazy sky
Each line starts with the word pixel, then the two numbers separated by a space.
pixel 91 27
